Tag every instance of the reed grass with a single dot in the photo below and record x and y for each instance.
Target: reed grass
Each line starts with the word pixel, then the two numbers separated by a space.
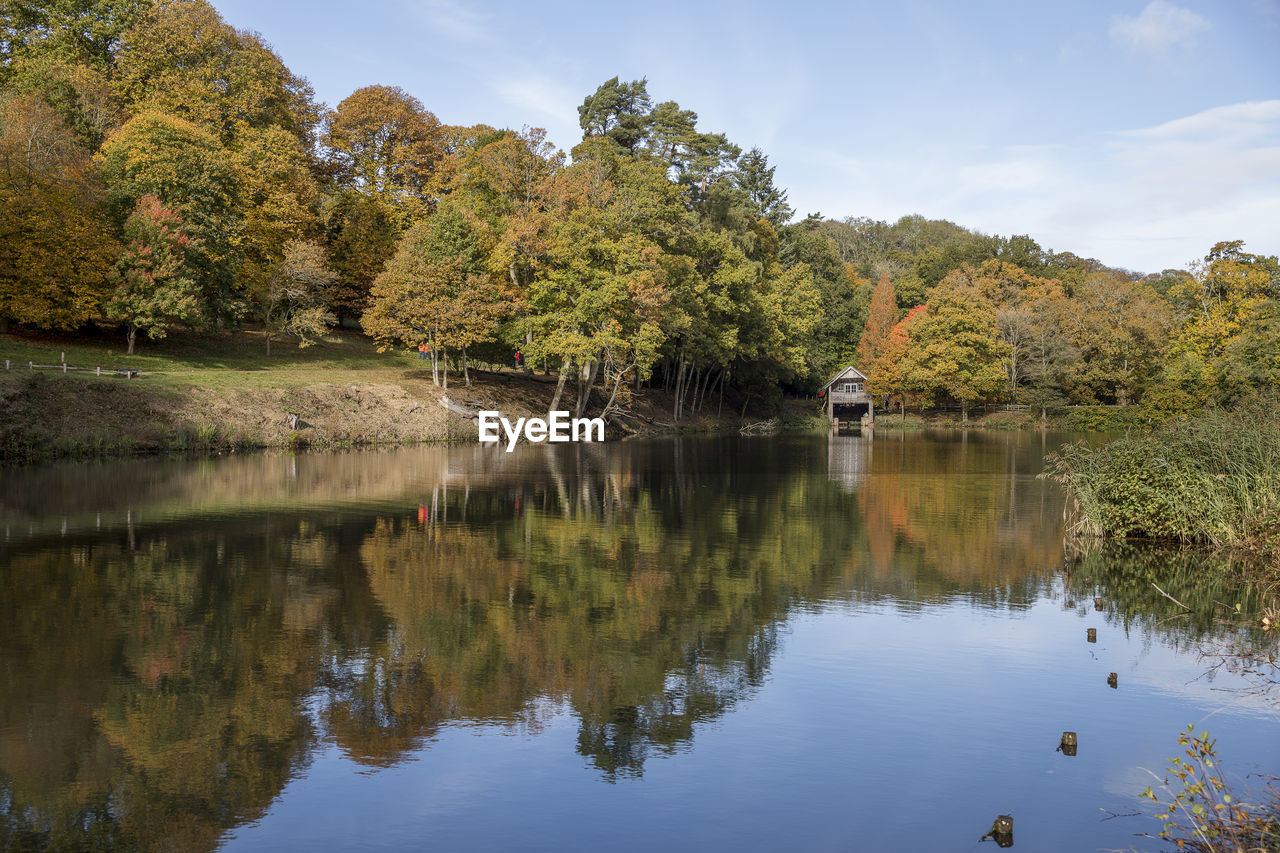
pixel 1212 479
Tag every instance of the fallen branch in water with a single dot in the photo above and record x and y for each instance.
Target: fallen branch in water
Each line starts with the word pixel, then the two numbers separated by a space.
pixel 1168 596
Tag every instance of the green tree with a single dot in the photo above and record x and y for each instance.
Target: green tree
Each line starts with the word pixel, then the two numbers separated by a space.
pixel 362 234
pixel 597 299
pixel 618 112
pixel 75 31
pixel 191 172
pixel 1121 329
pixel 154 288
pixel 754 176
pixel 436 290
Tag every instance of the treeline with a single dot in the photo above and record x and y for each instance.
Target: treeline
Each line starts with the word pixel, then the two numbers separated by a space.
pixel 160 169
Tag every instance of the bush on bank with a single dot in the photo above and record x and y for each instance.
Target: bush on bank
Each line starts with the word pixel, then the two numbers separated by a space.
pixel 1213 479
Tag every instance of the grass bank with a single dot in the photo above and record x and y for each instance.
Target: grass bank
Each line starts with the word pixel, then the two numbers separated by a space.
pixel 1213 479
pixel 205 394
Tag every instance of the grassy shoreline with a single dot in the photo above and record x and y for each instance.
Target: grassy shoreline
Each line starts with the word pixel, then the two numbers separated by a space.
pixel 1210 480
pixel 202 395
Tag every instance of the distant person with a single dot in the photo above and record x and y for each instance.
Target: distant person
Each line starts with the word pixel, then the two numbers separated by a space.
pixel 422 351
pixel 519 359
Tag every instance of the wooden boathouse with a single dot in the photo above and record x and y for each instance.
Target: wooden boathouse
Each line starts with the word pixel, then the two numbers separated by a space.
pixel 847 400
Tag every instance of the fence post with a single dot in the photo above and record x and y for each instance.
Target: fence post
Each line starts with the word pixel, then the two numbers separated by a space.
pixel 6 364
pixel 99 369
pixel 64 364
pixel 31 364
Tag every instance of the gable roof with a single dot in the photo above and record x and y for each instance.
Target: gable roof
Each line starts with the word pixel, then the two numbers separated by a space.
pixel 849 373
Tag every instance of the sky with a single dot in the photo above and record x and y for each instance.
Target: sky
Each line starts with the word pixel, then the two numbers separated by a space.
pixel 1137 132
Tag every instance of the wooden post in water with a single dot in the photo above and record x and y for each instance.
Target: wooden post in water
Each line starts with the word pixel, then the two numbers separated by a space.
pixel 1099 604
pixel 1069 744
pixel 1113 681
pixel 1092 635
pixel 1001 831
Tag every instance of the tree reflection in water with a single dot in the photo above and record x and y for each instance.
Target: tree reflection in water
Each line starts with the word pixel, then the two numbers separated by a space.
pixel 163 680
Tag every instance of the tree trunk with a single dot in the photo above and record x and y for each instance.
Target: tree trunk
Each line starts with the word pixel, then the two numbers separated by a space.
pixel 133 336
pixel 687 384
pixel 584 398
pixel 616 385
pixel 435 367
pixel 679 390
pixel 268 343
pixel 964 411
pixel 564 375
pixel 444 358
pixel 466 374
pixel 707 385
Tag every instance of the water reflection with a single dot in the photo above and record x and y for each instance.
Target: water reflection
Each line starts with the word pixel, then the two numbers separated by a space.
pixel 177 639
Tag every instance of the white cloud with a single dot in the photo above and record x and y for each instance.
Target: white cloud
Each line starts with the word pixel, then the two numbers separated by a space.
pixel 1158 27
pixel 450 19
pixel 1147 198
pixel 547 98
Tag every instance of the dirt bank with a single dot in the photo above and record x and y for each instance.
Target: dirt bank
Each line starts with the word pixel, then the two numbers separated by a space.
pixel 51 415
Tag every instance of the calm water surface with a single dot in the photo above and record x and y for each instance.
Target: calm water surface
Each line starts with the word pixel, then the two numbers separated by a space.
pixel 758 644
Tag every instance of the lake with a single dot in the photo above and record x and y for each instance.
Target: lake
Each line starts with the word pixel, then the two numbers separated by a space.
pixel 810 643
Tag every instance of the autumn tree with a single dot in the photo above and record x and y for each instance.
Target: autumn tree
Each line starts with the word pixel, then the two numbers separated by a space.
pixel 160 155
pixel 881 318
pixel 436 290
pixel 154 290
pixel 955 349
pixel 1121 329
pixel 55 247
pixel 1229 305
pixel 890 373
pixel 508 182
pixel 182 59
pixel 381 141
pixel 294 301
pixel 1022 303
pixel 82 95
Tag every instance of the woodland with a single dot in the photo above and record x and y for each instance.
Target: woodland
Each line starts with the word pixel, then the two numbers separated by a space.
pixel 163 172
